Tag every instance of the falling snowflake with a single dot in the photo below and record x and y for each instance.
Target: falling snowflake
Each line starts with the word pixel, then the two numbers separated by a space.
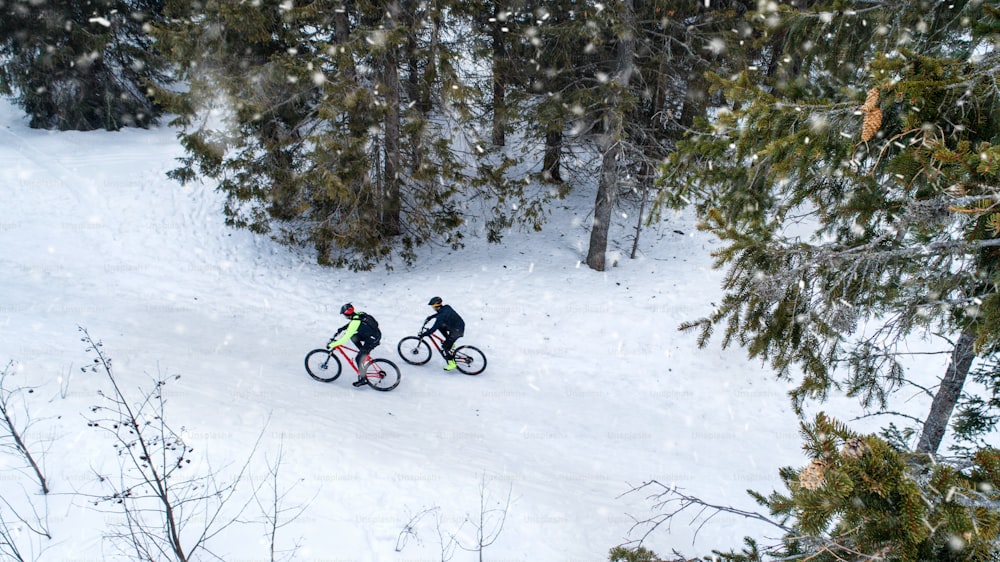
pixel 717 46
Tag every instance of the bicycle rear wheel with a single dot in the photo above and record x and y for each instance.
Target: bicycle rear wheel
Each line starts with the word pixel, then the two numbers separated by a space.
pixel 470 360
pixel 322 365
pixel 414 350
pixel 382 374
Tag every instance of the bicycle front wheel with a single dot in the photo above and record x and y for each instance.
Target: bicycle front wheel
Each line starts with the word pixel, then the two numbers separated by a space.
pixel 414 350
pixel 322 365
pixel 382 374
pixel 470 360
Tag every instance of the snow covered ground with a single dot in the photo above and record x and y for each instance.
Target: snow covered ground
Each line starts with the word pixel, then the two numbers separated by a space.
pixel 590 388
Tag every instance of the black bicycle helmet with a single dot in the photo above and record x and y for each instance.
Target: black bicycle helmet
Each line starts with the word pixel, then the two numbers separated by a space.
pixel 347 309
pixel 435 301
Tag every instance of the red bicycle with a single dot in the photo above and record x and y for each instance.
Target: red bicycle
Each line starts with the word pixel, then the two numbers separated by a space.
pixel 416 351
pixel 324 366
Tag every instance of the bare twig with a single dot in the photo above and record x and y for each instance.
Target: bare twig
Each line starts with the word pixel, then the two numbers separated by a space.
pixel 491 518
pixel 488 524
pixel 17 431
pixel 276 515
pixel 13 540
pixel 410 529
pixel 19 533
pixel 678 502
pixel 890 413
pixel 448 542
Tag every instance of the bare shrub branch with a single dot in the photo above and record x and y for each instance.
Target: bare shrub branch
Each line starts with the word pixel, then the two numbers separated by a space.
pixel 20 534
pixel 488 525
pixel 490 521
pixel 169 512
pixel 672 503
pixel 272 506
pixel 15 431
pixel 410 529
pixel 16 530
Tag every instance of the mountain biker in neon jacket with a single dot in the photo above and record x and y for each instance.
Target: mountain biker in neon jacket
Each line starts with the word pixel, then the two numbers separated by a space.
pixel 363 331
pixel 451 326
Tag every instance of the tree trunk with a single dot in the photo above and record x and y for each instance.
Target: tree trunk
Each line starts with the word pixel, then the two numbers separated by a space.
pixel 499 80
pixel 606 191
pixel 645 184
pixel 611 140
pixel 422 104
pixel 391 224
pixel 342 34
pixel 552 160
pixel 695 97
pixel 947 394
pixel 417 94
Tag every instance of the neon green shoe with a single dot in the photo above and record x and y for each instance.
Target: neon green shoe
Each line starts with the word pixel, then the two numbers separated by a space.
pixel 451 365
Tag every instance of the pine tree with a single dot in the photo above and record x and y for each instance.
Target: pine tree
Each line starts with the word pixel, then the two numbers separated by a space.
pixel 318 143
pixel 81 65
pixel 861 499
pixel 871 128
pixel 347 126
pixel 618 81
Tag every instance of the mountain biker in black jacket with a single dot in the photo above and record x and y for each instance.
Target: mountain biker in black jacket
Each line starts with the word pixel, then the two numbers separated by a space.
pixel 451 326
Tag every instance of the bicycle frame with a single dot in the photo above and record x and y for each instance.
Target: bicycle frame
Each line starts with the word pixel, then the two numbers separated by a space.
pixel 436 340
pixel 343 349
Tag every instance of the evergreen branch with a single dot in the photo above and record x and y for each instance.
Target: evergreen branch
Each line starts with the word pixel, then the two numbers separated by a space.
pixel 972 499
pixel 835 549
pixel 915 353
pixel 889 413
pixel 889 143
pixel 875 251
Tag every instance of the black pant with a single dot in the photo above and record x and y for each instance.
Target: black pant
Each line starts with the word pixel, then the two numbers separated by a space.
pixel 365 346
pixel 449 341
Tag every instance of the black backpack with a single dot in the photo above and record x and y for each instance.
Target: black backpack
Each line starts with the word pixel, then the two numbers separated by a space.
pixel 369 326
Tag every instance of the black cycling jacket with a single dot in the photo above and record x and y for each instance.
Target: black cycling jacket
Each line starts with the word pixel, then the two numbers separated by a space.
pixel 446 320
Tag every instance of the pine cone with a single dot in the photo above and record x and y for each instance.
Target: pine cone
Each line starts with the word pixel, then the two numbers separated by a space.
pixel 871 100
pixel 813 476
pixel 871 124
pixel 853 448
